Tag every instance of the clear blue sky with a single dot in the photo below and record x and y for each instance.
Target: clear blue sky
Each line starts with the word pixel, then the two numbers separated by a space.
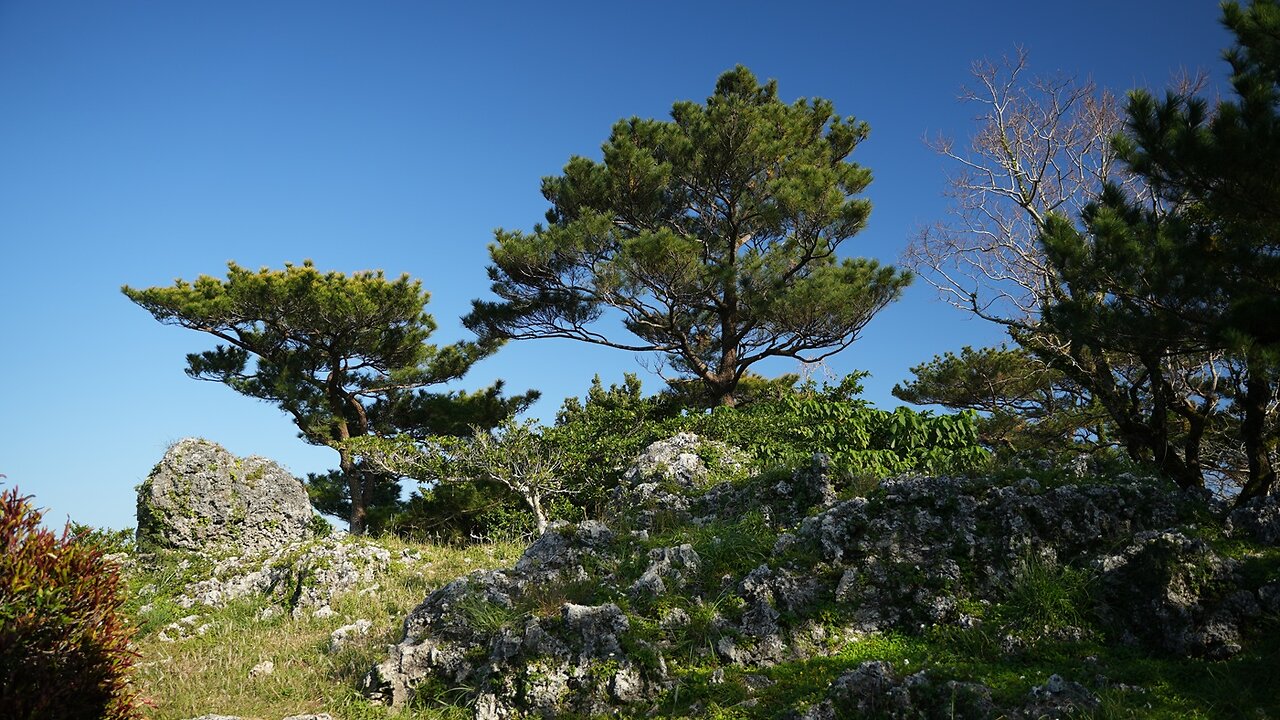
pixel 142 142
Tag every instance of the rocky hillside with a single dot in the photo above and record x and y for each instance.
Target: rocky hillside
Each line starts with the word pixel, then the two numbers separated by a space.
pixel 716 592
pixel 703 594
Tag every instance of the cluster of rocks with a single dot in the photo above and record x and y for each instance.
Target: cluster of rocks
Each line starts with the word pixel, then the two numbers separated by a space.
pixel 301 576
pixel 1257 520
pixel 251 522
pixel 550 635
pixel 595 616
pixel 670 476
pixel 549 658
pixel 874 689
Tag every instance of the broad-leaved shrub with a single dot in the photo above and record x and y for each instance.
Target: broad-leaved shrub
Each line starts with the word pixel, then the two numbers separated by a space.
pixel 64 647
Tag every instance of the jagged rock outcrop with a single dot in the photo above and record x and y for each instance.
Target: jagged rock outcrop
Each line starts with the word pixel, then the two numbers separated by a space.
pixel 200 496
pixel 875 690
pixel 541 650
pixel 671 474
pixel 299 576
pixel 778 568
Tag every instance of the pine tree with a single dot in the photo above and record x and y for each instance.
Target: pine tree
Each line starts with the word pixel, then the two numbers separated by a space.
pixel 1198 272
pixel 345 356
pixel 714 236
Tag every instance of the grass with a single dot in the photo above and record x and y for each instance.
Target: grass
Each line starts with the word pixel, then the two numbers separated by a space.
pixel 211 673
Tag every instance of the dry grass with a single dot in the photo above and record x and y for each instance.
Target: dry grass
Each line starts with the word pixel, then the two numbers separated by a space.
pixel 210 673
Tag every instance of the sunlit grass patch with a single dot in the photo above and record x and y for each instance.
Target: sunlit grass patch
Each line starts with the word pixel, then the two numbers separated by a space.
pixel 213 672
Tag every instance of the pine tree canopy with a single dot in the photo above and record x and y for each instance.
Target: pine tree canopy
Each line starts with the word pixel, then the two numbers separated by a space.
pixel 343 355
pixel 713 236
pixel 1194 273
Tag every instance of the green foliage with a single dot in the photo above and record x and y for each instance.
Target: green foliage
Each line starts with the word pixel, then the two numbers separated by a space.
pixel 861 440
pixel 598 438
pixel 64 648
pixel 486 616
pixel 330 493
pixel 1043 597
pixel 320 528
pixel 513 455
pixel 1024 404
pixel 731 548
pixel 462 511
pixel 343 355
pixel 715 236
pixel 107 541
pixel 1195 274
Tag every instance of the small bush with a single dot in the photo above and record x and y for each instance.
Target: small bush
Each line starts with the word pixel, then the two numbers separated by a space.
pixel 64 650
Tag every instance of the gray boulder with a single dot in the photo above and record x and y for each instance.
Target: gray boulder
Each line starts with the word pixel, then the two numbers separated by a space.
pixel 1258 519
pixel 200 496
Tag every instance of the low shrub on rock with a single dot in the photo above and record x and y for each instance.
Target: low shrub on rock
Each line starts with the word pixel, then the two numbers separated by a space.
pixel 64 649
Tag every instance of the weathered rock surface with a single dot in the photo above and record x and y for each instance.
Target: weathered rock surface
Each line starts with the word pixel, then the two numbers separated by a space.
pixel 875 690
pixel 671 474
pixel 200 496
pixel 300 576
pixel 347 634
pixel 590 616
pixel 1258 519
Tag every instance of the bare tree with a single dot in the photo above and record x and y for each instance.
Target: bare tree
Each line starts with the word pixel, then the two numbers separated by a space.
pixel 1043 148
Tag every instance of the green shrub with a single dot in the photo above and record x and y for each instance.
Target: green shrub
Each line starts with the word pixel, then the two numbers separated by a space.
pixel 862 441
pixel 462 512
pixel 783 427
pixel 108 541
pixel 64 649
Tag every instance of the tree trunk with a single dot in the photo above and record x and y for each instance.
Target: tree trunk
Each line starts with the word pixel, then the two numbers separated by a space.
pixel 1258 393
pixel 356 524
pixel 724 396
pixel 539 517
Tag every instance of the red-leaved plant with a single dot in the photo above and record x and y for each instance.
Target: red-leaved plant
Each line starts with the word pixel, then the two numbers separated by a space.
pixel 64 648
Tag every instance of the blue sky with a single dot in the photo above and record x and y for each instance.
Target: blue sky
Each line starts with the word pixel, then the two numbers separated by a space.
pixel 142 142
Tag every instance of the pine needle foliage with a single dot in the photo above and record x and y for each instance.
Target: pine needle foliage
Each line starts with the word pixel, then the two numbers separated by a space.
pixel 343 355
pixel 715 237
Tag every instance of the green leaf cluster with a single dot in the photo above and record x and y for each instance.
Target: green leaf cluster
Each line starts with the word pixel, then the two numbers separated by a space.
pixel 600 436
pixel 1024 404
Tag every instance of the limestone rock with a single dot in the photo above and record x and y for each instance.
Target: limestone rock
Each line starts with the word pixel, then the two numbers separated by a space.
pixel 201 496
pixel 670 475
pixel 299 575
pixel 679 460
pixel 1258 519
pixel 547 637
pixel 874 689
pixel 346 634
